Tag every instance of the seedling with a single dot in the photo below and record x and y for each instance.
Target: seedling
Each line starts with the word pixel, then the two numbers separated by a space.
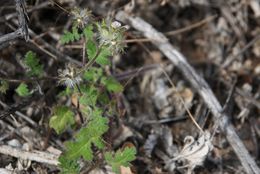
pixel 92 89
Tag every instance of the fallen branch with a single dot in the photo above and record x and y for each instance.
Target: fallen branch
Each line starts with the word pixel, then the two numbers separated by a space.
pixel 22 31
pixel 38 156
pixel 159 40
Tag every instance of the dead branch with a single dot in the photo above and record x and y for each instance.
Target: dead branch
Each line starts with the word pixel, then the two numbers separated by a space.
pixel 38 156
pixel 22 31
pixel 160 41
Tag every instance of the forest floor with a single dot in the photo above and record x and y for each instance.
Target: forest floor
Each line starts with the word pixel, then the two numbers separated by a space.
pixel 219 39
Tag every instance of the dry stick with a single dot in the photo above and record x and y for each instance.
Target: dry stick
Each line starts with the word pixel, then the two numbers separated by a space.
pixel 60 55
pixel 38 156
pixel 198 83
pixel 12 15
pixel 175 32
pixel 22 18
pixel 192 26
pixel 45 45
pixel 10 36
pixel 22 21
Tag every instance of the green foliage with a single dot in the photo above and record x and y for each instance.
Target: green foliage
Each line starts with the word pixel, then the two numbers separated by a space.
pixel 4 86
pixel 93 74
pixel 88 136
pixel 68 166
pixel 70 36
pixel 89 96
pixel 33 64
pixel 22 90
pixel 111 35
pixel 88 32
pixel 120 158
pixel 112 84
pixel 61 119
pixel 102 40
pixel 102 58
pixel 91 49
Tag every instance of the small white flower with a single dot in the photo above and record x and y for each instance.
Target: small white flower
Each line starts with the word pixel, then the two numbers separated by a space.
pixel 81 16
pixel 111 34
pixel 116 24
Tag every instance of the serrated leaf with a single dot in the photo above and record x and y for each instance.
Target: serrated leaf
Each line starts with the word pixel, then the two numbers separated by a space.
pixel 91 49
pixel 67 37
pixel 120 158
pixel 93 74
pixel 112 84
pixel 61 119
pixel 88 32
pixel 88 136
pixel 102 58
pixel 22 90
pixel 89 96
pixel 33 63
pixel 70 36
pixel 75 33
pixel 68 166
pixel 4 86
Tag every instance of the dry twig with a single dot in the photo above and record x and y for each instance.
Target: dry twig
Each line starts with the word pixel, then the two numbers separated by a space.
pixel 38 156
pixel 22 31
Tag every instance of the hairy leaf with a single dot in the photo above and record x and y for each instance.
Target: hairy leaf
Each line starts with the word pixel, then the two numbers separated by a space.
pixel 93 74
pixel 91 49
pixel 120 158
pixel 88 136
pixel 32 62
pixel 89 96
pixel 61 119
pixel 88 32
pixel 102 58
pixel 68 166
pixel 70 36
pixel 22 90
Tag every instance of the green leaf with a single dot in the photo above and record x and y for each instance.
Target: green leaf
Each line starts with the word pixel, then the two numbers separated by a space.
pixel 89 96
pixel 91 49
pixel 88 32
pixel 120 158
pixel 70 36
pixel 102 58
pixel 112 84
pixel 61 119
pixel 90 44
pixel 22 90
pixel 75 33
pixel 68 166
pixel 4 85
pixel 93 74
pixel 33 63
pixel 88 136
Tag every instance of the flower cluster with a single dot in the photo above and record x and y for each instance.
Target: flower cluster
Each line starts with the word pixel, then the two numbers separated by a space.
pixel 69 76
pixel 111 35
pixel 81 17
